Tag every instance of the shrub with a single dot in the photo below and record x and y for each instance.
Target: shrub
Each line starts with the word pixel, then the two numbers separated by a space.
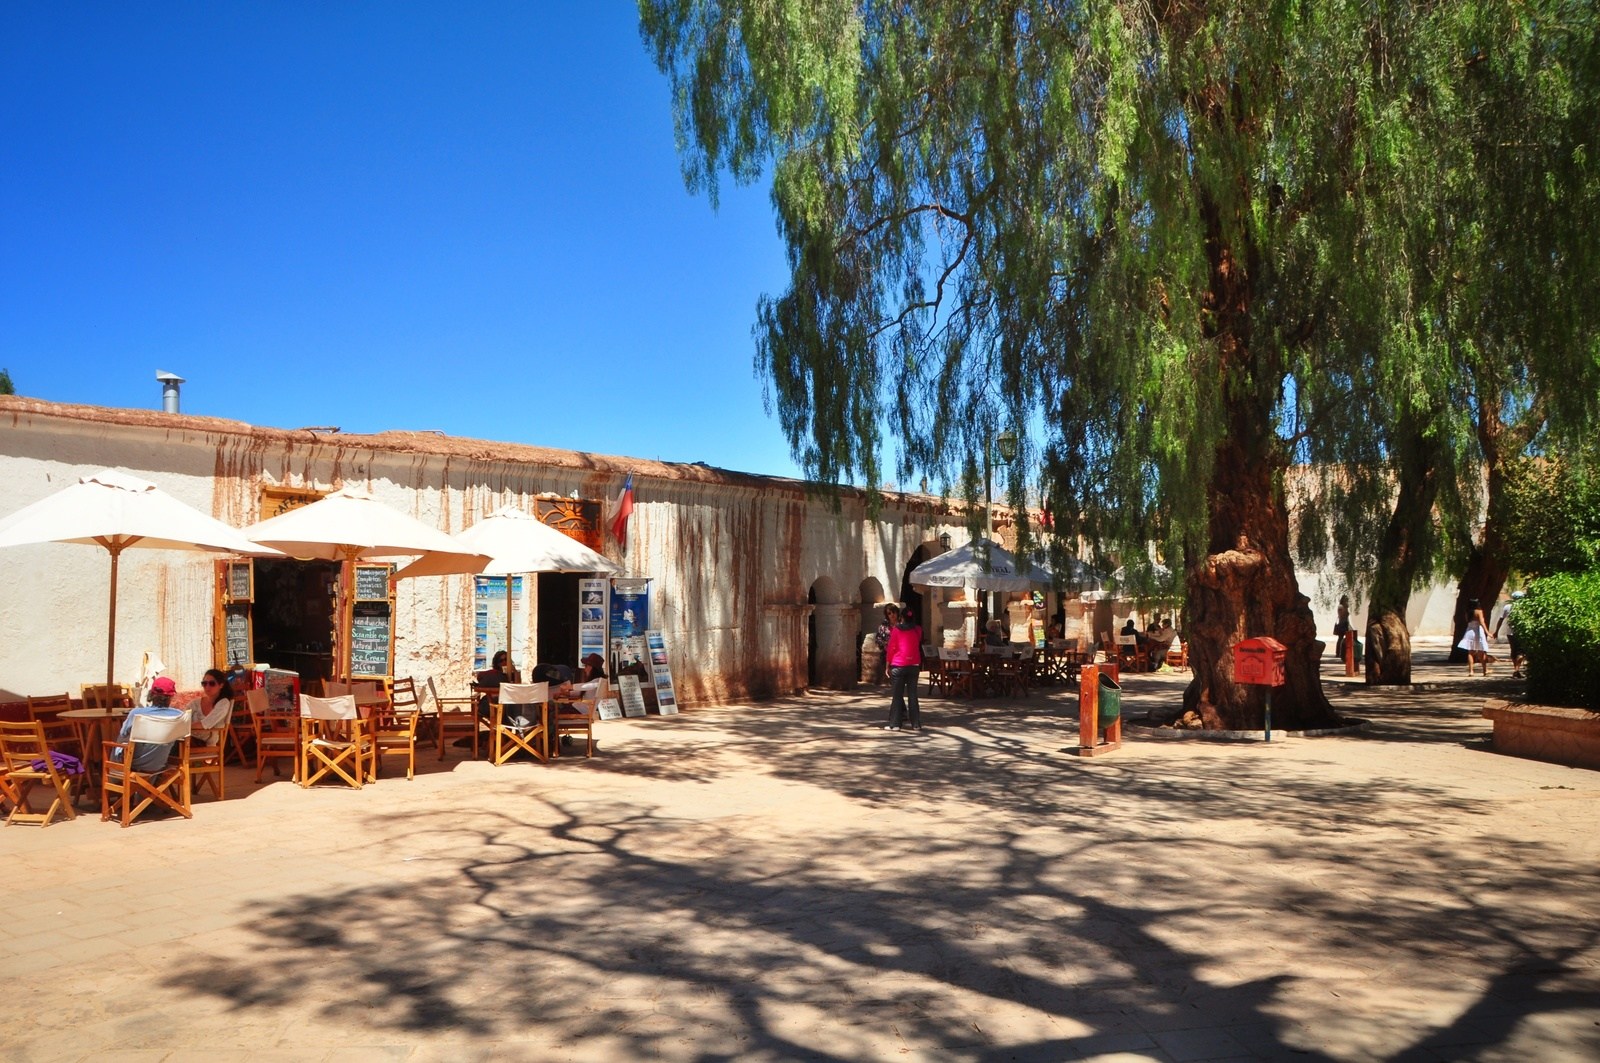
pixel 1558 629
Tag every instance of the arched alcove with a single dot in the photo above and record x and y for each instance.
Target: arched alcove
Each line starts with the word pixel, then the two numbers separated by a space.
pixel 832 637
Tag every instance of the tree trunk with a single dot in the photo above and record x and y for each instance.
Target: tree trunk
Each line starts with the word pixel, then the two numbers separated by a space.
pixel 1488 564
pixel 1400 552
pixel 1244 587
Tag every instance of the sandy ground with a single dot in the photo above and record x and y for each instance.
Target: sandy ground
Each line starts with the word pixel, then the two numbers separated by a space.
pixel 785 881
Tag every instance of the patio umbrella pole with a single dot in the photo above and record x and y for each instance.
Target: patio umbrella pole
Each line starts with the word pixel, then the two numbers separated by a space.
pixel 115 548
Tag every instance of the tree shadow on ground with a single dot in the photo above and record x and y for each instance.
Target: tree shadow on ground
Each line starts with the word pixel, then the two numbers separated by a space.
pixel 1066 907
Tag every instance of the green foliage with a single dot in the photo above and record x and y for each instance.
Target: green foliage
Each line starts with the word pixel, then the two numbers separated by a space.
pixel 1558 628
pixel 6 387
pixel 1554 518
pixel 1159 241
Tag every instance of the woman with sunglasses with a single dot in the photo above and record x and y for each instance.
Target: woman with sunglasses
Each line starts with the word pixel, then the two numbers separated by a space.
pixel 215 700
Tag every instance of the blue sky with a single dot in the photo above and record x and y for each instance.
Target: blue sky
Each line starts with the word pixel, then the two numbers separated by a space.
pixel 465 217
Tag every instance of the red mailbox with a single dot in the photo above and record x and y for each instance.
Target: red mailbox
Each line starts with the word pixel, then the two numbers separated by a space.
pixel 1259 661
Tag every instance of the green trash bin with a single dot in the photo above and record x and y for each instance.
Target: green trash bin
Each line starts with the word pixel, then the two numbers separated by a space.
pixel 1110 700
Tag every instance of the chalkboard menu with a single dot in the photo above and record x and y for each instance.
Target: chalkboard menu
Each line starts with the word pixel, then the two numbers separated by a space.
pixel 372 583
pixel 370 626
pixel 236 635
pixel 239 581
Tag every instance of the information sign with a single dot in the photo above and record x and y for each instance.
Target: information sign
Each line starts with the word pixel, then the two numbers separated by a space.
pixel 661 674
pixel 632 695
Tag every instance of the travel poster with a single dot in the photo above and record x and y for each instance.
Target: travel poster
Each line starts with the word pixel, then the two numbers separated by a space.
pixel 630 607
pixel 661 674
pixel 593 609
pixel 489 618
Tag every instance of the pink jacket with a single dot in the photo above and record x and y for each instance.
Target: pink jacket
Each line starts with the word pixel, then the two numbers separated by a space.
pixel 905 647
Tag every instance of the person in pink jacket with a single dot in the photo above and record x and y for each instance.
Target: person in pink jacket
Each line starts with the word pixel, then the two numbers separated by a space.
pixel 903 657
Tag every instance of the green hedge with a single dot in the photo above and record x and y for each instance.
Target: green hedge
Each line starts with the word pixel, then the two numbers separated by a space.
pixel 1558 629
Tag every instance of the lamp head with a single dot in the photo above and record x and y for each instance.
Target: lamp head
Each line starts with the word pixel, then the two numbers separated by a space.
pixel 1006 442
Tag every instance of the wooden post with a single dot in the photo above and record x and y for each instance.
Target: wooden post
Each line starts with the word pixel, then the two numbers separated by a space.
pixel 1350 652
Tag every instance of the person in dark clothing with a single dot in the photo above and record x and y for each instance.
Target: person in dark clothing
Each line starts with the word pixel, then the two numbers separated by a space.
pixel 487 684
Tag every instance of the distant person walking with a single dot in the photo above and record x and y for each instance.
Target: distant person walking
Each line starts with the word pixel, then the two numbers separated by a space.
pixel 1476 640
pixel 904 658
pixel 1508 622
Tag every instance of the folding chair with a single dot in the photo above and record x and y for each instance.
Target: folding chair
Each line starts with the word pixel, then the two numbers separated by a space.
pixel 334 741
pixel 454 716
pixel 277 734
pixel 242 727
pixel 394 729
pixel 168 785
pixel 510 730
pixel 207 749
pixel 577 718
pixel 63 735
pixel 26 764
pixel 101 696
pixel 1128 655
pixel 933 670
pixel 960 674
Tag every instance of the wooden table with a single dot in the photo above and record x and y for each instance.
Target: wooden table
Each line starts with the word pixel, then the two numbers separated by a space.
pixel 89 723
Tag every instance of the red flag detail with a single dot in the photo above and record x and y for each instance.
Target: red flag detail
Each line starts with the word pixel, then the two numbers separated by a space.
pixel 621 509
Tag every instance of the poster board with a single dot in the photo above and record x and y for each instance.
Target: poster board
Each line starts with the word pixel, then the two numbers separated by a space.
pixel 282 687
pixel 661 673
pixel 610 708
pixel 630 607
pixel 371 634
pixel 632 695
pixel 594 607
pixel 489 618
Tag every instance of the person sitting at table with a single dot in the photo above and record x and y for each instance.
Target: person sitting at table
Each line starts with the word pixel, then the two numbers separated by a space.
pixel 995 636
pixel 1160 642
pixel 150 756
pixel 487 684
pixel 212 707
pixel 592 667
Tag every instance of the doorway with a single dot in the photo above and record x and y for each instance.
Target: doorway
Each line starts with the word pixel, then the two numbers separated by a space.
pixel 557 622
pixel 295 610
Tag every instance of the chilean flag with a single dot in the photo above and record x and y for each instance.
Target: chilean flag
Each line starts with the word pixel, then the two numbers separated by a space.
pixel 620 509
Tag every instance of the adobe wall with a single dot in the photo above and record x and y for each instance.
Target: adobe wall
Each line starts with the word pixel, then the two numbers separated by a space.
pixel 735 558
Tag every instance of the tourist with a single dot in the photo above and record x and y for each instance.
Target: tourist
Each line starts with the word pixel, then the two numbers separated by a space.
pixel 1476 639
pixel 904 658
pixel 1509 623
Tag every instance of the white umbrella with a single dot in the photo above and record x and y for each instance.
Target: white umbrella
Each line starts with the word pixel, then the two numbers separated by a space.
pixel 116 511
pixel 350 525
pixel 965 567
pixel 516 542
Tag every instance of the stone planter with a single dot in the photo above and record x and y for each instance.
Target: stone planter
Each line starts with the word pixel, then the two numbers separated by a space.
pixel 1546 732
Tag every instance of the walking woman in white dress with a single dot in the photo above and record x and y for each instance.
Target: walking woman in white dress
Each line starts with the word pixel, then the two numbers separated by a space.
pixel 1476 640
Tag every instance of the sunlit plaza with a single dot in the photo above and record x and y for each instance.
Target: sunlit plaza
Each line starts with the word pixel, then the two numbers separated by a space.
pixel 786 881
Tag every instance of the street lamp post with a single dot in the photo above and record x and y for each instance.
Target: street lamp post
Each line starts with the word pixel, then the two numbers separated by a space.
pixel 1005 444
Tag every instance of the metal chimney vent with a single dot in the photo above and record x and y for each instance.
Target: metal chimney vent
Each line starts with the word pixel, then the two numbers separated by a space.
pixel 169 389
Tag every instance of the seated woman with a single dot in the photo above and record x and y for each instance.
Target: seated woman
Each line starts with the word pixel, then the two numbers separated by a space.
pixel 592 667
pixel 487 683
pixel 212 707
